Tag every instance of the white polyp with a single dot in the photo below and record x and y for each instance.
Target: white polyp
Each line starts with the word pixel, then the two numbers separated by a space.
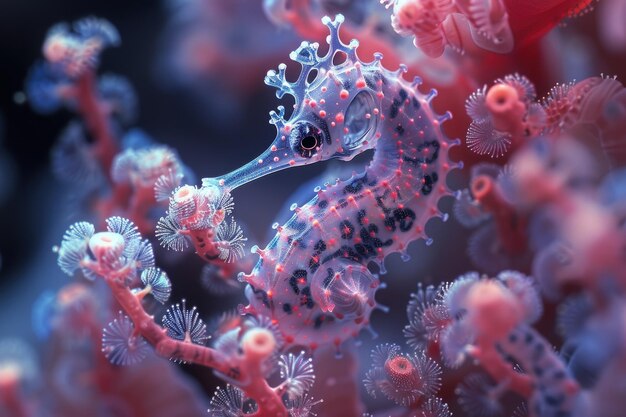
pixel 55 49
pixel 184 194
pixel 258 343
pixel 106 244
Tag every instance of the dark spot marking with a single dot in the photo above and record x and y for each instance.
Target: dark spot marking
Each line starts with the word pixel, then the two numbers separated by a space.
pixel 360 216
pixel 306 299
pixel 347 229
pixel 296 280
pixel 433 153
pixel 429 181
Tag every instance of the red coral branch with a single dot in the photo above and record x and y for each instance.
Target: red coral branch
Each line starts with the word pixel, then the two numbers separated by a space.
pixel 247 371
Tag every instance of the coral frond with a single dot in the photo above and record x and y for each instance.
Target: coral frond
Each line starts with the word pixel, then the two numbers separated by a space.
pixel 478 397
pixel 434 407
pixel 572 315
pixel 70 255
pixel 121 345
pixel 73 160
pixel 454 343
pixel 227 402
pixel 435 320
pixel 415 332
pixel 159 283
pixel 453 295
pixel 143 254
pixel 524 87
pixel 166 184
pixel 225 202
pixel 93 27
pixel 123 227
pixel 297 372
pixel 120 97
pixel 429 372
pixel 371 380
pixel 475 104
pixel 228 342
pixel 381 353
pixel 183 324
pixel 168 232
pixel 483 139
pixel 524 288
pixel 42 88
pixel 230 241
pixel 421 300
pixel 81 231
pixel 301 406
pixel 468 211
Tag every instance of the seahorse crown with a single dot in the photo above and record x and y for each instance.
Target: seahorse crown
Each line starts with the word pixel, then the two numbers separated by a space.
pixel 307 55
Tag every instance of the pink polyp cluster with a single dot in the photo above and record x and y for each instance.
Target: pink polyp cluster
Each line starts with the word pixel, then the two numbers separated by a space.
pixel 489 321
pixel 246 352
pixel 501 115
pixel 494 25
pixel 79 50
pixel 406 379
pixel 507 114
pixel 194 208
pixel 436 24
pixel 143 167
pixel 199 215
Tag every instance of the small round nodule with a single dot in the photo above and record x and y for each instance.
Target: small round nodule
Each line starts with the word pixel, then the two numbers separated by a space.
pixel 56 48
pixel 501 97
pixel 258 343
pixel 184 193
pixel 399 366
pixel 106 244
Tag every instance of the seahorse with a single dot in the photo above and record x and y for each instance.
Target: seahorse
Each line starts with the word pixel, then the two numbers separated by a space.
pixel 315 278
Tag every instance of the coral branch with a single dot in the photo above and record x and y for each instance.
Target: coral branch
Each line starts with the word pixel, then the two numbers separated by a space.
pixel 157 336
pixel 511 226
pixel 247 372
pixel 11 399
pixel 96 119
pixel 492 362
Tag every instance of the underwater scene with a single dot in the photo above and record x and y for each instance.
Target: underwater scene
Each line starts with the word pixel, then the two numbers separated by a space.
pixel 326 208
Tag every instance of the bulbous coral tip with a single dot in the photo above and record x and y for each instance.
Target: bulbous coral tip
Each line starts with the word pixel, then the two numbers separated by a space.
pixel 105 244
pixel 55 48
pixel 507 110
pixel 399 367
pixel 501 98
pixel 258 343
pixel 493 310
pixel 482 186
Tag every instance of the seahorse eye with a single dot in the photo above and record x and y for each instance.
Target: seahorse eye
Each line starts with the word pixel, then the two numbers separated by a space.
pixel 308 142
pixel 306 139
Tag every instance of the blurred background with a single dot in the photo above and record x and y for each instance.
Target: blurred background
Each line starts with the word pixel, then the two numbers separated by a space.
pixel 216 124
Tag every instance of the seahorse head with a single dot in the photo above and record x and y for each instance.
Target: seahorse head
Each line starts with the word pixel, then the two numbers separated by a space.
pixel 337 98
